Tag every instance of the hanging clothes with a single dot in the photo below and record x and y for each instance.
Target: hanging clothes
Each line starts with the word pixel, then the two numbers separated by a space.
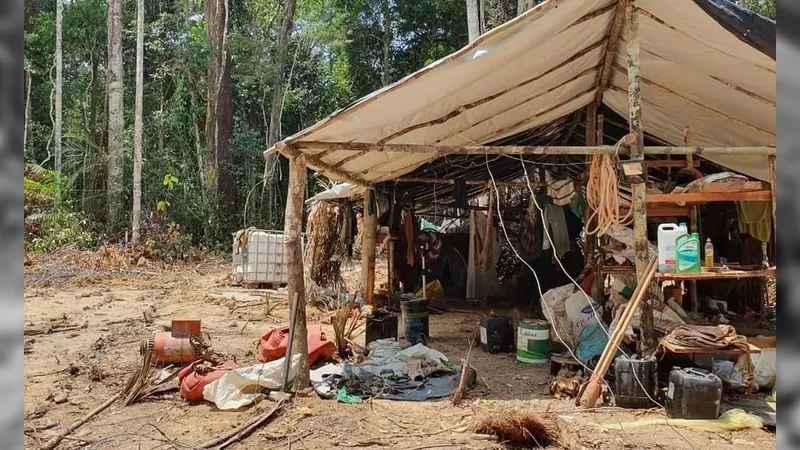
pixel 561 191
pixel 755 219
pixel 556 222
pixel 578 204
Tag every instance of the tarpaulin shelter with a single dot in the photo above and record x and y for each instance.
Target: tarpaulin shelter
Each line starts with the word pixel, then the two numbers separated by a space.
pixel 693 77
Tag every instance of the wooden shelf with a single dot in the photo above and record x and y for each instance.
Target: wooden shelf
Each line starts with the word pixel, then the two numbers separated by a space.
pixel 705 197
pixel 716 275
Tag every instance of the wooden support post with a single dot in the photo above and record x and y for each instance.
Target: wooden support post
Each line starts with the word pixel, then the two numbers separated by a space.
pixel 692 284
pixel 368 243
pixel 292 237
pixel 600 278
pixel 647 344
pixel 773 187
pixel 591 239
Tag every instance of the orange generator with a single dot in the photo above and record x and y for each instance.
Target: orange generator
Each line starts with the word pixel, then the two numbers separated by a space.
pixel 175 347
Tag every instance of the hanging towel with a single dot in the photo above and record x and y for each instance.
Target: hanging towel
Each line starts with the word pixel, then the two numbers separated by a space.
pixel 561 191
pixel 557 227
pixel 755 219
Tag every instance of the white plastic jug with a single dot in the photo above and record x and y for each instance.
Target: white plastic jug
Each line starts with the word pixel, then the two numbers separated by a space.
pixel 668 233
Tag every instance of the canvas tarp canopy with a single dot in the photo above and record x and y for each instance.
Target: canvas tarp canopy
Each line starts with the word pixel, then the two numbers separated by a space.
pixel 701 85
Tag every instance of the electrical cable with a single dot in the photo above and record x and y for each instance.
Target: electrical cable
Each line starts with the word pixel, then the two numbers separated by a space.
pixel 586 296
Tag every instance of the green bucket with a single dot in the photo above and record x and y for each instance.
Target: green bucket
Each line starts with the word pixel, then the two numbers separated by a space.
pixel 533 342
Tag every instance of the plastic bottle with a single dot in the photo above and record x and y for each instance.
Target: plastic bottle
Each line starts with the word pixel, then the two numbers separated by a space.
pixel 688 253
pixel 709 253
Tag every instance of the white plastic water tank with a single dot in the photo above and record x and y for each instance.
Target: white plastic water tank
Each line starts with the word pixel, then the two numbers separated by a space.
pixel 259 256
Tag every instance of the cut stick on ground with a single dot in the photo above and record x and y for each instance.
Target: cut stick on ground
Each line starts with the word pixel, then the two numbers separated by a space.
pixel 77 424
pixel 593 389
pixel 33 331
pixel 462 383
pixel 241 431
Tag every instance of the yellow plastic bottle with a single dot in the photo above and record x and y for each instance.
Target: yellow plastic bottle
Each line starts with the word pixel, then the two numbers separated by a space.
pixel 709 253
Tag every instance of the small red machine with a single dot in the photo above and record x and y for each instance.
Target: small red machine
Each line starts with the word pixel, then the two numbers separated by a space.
pixel 176 346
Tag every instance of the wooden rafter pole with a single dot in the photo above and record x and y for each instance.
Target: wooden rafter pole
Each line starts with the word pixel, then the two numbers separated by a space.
pixel 368 242
pixel 521 184
pixel 292 236
pixel 639 189
pixel 318 164
pixel 441 150
pixel 612 42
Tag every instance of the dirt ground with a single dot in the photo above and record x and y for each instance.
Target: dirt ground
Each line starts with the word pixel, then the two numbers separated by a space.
pixel 67 374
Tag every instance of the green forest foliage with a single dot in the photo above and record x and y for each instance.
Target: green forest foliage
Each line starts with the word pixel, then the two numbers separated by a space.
pixel 335 56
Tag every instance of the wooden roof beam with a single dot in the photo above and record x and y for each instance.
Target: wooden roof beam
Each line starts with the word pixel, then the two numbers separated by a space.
pixel 442 150
pixel 320 166
pixel 612 42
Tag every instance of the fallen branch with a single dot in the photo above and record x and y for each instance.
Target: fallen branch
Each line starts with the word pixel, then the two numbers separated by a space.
pixel 52 330
pixel 77 424
pixel 241 431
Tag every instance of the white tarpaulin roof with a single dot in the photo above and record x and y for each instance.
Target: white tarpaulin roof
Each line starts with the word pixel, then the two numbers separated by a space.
pixel 544 65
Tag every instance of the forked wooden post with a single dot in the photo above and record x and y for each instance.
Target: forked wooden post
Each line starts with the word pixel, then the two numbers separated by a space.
pixel 368 242
pixel 639 189
pixel 292 238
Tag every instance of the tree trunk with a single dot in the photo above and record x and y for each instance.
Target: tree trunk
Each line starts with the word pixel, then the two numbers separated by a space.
pixel 116 119
pixel 27 109
pixel 387 40
pixel 276 110
pixel 474 26
pixel 137 124
pixel 292 229
pixel 58 92
pixel 524 5
pixel 219 117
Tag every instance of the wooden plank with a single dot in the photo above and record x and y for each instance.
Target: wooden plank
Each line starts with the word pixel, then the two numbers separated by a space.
pixel 320 166
pixel 662 211
pixel 736 186
pixel 442 150
pixel 714 351
pixel 705 197
pixel 522 184
pixel 667 163
pixel 717 275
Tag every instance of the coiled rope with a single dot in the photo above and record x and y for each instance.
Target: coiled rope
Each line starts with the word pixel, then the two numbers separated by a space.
pixel 602 195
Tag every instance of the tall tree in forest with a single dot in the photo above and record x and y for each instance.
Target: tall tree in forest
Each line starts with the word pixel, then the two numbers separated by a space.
pixel 116 120
pixel 276 109
pixel 58 88
pixel 474 22
pixel 281 49
pixel 219 111
pixel 137 124
pixel 387 41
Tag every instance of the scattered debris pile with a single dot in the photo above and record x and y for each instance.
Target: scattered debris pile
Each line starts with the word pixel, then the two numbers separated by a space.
pixel 415 374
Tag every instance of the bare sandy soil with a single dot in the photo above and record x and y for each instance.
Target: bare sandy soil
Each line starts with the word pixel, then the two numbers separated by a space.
pixel 69 373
